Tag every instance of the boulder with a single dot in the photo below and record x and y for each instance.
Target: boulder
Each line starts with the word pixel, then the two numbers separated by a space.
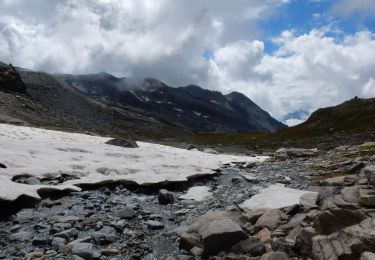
pixel 367 197
pixel 84 250
pixel 347 180
pixel 309 200
pixel 270 219
pixel 296 152
pixel 207 218
pixel 249 246
pixel 188 240
pixel 220 235
pixel 351 194
pixel 264 235
pixel 329 221
pixel 283 245
pixel 165 197
pixel 127 143
pixel 304 240
pixel 253 216
pixel 367 256
pixel 126 213
pixel 369 171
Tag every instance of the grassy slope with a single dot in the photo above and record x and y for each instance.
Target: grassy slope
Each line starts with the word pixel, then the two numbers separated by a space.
pixel 349 123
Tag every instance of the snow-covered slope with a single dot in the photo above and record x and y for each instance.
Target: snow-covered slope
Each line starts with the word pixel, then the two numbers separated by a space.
pixel 47 153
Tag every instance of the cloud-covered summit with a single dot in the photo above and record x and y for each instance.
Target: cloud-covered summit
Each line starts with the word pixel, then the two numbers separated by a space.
pixel 217 44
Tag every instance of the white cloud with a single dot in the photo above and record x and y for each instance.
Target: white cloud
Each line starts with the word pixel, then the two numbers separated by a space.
pixel 166 38
pixel 354 7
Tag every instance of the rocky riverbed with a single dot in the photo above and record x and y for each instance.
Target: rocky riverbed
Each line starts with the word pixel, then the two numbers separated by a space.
pixel 206 217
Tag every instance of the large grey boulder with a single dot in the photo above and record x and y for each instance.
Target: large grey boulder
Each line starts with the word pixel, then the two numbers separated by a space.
pixel 127 143
pixel 220 235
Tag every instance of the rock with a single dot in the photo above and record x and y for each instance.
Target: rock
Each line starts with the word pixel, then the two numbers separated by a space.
pixel 210 150
pixel 196 251
pixel 105 236
pixel 329 221
pixel 296 152
pixel 126 213
pixel 356 168
pixel 84 250
pixel 275 256
pixel 220 234
pixel 34 255
pixel 249 246
pixel 189 240
pixel 309 200
pixel 32 181
pixel 127 143
pixel 192 147
pixel 207 218
pixel 264 235
pixel 3 166
pixel 41 240
pixel 21 236
pixel 152 224
pixel 296 220
pixel 326 192
pixel 367 197
pixel 304 240
pixel 110 251
pixel 351 194
pixel 253 215
pixel 369 172
pixel 283 245
pixel 347 180
pixel 165 197
pixel 58 242
pixel 270 219
pixel 72 232
pixel 367 256
pixel 322 248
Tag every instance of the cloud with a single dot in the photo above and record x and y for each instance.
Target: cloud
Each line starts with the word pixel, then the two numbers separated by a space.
pixel 166 39
pixel 346 8
pixel 307 71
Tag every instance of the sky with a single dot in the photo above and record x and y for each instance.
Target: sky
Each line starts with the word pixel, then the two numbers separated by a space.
pixel 289 56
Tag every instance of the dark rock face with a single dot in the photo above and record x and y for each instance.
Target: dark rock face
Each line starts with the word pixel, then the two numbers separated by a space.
pixel 10 80
pixel 165 197
pixel 123 143
pixel 191 106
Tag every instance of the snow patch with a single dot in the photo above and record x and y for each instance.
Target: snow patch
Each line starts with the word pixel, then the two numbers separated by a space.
pixel 134 94
pixel 39 152
pixel 275 197
pixel 178 109
pixel 198 193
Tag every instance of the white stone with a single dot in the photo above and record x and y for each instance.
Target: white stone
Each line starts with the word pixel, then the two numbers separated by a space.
pixel 274 197
pixel 197 193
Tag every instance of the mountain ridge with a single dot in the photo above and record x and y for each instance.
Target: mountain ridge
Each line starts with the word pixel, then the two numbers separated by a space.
pixel 191 106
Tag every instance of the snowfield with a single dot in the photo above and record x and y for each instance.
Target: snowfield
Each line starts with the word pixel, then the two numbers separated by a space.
pixel 46 153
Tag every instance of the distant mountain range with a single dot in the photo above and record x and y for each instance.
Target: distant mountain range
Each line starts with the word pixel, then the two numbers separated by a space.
pixel 192 107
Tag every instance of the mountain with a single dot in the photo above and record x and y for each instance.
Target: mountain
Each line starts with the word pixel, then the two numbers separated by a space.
pixel 191 106
pixel 352 122
pixel 40 99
